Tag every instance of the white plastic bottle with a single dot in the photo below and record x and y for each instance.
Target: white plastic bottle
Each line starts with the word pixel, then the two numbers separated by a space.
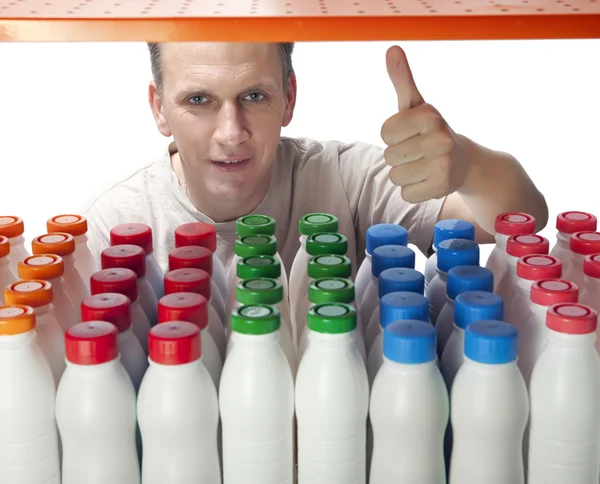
pixel 409 408
pixel 7 276
pixel 507 224
pixel 564 431
pixel 28 433
pixel 115 308
pixel 589 293
pixel 256 402
pixel 451 253
pixel 444 230
pixel 489 408
pixel 581 244
pixel 12 228
pixel 568 223
pixel 193 308
pixel 178 410
pixel 332 422
pixel 377 235
pixel 96 409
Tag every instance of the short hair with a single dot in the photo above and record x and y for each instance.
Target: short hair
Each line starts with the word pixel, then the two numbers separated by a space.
pixel 284 49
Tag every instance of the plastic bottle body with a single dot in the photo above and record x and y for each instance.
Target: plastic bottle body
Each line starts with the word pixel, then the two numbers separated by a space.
pixel 445 325
pixel 18 252
pixel 50 339
pixel 299 286
pixel 453 356
pixel 133 357
pixel 430 267
pixel 561 249
pixel 155 276
pixel 75 286
pixel 140 324
pixel 148 300
pixel 497 261
pixel 85 261
pixel 363 277
pixel 436 293
pixel 7 276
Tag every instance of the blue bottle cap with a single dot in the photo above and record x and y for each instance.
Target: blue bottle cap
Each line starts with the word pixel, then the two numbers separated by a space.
pixel 400 306
pixel 473 306
pixel 491 342
pixel 402 279
pixel 457 252
pixel 469 278
pixel 410 342
pixel 389 256
pixel 385 234
pixel 452 229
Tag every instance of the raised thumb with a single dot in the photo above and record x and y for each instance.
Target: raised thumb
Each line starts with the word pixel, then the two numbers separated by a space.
pixel 402 79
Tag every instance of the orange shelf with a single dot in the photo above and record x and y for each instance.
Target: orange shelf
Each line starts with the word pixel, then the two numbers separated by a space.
pixel 295 20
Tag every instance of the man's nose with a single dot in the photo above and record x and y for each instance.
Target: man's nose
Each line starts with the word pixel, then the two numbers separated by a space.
pixel 230 126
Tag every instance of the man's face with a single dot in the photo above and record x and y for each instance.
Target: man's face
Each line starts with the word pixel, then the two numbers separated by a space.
pixel 224 105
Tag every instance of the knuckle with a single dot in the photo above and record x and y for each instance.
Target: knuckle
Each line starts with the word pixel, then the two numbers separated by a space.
pixel 387 130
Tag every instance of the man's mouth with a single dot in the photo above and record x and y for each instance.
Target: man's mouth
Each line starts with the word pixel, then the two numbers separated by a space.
pixel 231 163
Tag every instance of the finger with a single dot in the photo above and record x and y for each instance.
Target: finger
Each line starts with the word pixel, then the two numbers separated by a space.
pixel 402 79
pixel 428 145
pixel 410 173
pixel 406 124
pixel 417 192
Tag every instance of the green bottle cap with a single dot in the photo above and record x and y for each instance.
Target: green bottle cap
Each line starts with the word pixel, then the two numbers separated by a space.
pixel 255 225
pixel 327 243
pixel 258 266
pixel 331 318
pixel 259 291
pixel 330 265
pixel 255 319
pixel 331 290
pixel 250 245
pixel 313 223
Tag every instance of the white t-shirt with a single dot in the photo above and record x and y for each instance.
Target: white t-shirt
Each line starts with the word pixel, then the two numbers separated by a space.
pixel 349 181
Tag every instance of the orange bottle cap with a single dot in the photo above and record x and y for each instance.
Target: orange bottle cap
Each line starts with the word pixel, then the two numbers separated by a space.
pixel 46 267
pixel 16 319
pixel 11 226
pixel 68 223
pixel 59 243
pixel 4 246
pixel 34 293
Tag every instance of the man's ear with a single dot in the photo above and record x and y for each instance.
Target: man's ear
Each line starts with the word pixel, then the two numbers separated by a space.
pixel 290 99
pixel 158 110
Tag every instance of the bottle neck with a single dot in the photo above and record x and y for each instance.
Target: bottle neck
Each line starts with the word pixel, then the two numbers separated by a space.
pixel 17 241
pixel 591 284
pixel 81 239
pixel 490 369
pixel 182 369
pixel 408 367
pixel 563 240
pixel 16 341
pixel 332 340
pixel 524 286
pixel 501 240
pixel 512 262
pixel 539 312
pixel 94 369
pixel 571 340
pixel 256 342
pixel 442 275
pixel 42 313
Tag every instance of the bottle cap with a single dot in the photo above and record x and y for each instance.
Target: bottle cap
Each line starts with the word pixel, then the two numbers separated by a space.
pixel 528 244
pixel 58 243
pixel 35 293
pixel 45 267
pixel 452 229
pixel 91 343
pixel 16 319
pixel 126 257
pixel 174 343
pixel 326 243
pixel 401 279
pixel 184 306
pixel 75 225
pixel 255 225
pixel 317 222
pixel 132 234
pixel 188 280
pixel 196 233
pixel 331 290
pixel 385 234
pixel 534 267
pixel 572 318
pixel 331 318
pixel 591 266
pixel 457 252
pixel 515 223
pixel 4 246
pixel 120 280
pixel 548 292
pixel 409 342
pixel 191 257
pixel 469 278
pixel 400 306
pixel 259 291
pixel 11 226
pixel 473 306
pixel 571 222
pixel 111 307
pixel 332 265
pixel 259 266
pixel 250 245
pixel 585 243
pixel 390 256
pixel 255 319
pixel 491 342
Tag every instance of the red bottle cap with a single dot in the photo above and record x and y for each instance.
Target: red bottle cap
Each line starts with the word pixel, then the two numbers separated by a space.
pixel 184 306
pixel 191 256
pixel 515 223
pixel 539 266
pixel 571 222
pixel 119 280
pixel 132 234
pixel 188 280
pixel 585 243
pixel 125 256
pixel 591 266
pixel 112 307
pixel 196 233
pixel 91 343
pixel 528 244
pixel 572 318
pixel 547 292
pixel 174 343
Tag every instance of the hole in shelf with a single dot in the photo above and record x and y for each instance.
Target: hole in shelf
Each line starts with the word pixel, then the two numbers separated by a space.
pixel 504 10
pixel 575 9
pixel 468 10
pixel 289 12
pixel 107 12
pixel 540 9
pixel 33 12
pixel 360 11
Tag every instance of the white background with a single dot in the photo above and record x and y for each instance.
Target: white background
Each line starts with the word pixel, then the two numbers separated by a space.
pixel 76 116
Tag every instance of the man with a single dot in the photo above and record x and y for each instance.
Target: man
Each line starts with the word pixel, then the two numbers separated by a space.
pixel 224 106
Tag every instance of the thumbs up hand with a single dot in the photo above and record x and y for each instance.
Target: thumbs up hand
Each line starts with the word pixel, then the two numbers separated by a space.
pixel 427 157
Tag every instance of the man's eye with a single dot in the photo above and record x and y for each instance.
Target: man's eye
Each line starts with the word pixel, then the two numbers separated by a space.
pixel 255 96
pixel 197 99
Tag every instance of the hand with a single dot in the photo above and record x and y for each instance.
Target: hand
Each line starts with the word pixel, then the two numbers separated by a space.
pixel 427 157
